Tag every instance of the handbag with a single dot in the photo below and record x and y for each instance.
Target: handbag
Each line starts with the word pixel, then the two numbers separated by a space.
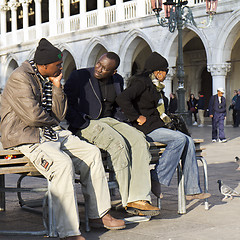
pixel 193 109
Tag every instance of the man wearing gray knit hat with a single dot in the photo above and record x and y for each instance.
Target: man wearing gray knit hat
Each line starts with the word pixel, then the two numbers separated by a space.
pixel 33 105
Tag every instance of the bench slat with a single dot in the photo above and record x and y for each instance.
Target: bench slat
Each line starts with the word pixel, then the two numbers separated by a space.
pixel 17 169
pixel 14 161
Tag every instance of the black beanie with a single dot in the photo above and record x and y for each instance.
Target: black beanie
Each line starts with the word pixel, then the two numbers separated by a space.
pixel 156 62
pixel 46 53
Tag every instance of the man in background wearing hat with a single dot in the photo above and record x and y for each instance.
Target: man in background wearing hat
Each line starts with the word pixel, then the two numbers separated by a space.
pixel 33 105
pixel 217 111
pixel 93 113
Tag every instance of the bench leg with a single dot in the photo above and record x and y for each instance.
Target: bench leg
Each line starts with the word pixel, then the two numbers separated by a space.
pixel 181 192
pixel 205 175
pixel 2 194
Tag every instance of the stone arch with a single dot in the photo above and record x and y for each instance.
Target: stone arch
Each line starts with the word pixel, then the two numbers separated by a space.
pixel 129 48
pixel 11 64
pixel 227 38
pixel 69 64
pixel 94 49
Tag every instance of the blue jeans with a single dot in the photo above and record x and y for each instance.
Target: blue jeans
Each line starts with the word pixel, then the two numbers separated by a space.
pixel 179 146
pixel 218 124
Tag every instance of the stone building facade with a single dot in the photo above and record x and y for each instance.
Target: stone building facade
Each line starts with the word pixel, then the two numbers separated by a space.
pixel 85 29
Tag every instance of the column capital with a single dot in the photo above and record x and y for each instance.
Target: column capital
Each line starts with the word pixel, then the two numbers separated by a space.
pixel 4 7
pixel 219 69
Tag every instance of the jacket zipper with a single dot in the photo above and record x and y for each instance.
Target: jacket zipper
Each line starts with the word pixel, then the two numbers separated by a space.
pixel 96 96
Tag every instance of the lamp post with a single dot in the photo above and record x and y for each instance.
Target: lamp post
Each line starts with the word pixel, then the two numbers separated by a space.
pixel 177 14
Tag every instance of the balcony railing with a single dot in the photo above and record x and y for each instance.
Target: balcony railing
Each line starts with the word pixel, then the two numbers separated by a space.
pixel 108 15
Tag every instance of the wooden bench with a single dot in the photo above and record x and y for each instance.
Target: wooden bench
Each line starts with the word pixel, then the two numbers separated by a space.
pixel 14 162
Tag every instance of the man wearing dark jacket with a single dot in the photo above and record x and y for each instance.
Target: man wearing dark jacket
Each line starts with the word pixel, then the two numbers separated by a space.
pixel 217 111
pixel 92 115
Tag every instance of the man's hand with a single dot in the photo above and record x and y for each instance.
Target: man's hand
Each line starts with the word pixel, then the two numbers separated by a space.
pixel 211 116
pixel 56 80
pixel 141 120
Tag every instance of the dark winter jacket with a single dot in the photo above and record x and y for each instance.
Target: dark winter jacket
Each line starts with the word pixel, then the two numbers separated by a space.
pixel 201 102
pixel 84 98
pixel 215 106
pixel 141 98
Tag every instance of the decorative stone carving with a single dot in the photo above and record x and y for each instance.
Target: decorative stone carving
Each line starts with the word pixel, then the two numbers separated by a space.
pixel 219 69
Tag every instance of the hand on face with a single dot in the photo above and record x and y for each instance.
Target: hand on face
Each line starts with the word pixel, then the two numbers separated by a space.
pixel 160 75
pixel 56 80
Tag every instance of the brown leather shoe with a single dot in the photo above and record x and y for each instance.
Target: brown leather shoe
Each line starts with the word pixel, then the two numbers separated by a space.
pixel 198 196
pixel 79 237
pixel 108 222
pixel 156 188
pixel 142 207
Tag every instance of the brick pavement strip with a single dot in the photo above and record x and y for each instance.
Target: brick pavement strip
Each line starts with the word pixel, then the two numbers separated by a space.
pixel 220 222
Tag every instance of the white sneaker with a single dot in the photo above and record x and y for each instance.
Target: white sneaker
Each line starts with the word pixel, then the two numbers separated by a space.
pixel 200 125
pixel 214 140
pixel 222 140
pixel 195 123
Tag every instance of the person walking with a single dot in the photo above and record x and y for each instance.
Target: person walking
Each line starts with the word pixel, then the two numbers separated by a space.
pixel 192 107
pixel 237 109
pixel 217 111
pixel 233 107
pixel 33 105
pixel 139 103
pixel 201 108
pixel 94 115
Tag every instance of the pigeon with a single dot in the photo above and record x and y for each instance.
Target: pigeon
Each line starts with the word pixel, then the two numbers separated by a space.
pixel 237 159
pixel 226 190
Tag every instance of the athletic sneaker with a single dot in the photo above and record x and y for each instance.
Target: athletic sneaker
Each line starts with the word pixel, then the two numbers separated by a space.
pixel 222 140
pixel 214 140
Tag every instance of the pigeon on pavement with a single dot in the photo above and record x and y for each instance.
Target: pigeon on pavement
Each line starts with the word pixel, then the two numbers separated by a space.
pixel 226 190
pixel 237 159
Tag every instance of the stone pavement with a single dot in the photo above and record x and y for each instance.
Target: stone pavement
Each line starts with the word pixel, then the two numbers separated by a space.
pixel 220 222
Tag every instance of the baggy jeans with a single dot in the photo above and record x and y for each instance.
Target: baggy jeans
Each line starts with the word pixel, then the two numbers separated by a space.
pixel 57 161
pixel 179 146
pixel 128 155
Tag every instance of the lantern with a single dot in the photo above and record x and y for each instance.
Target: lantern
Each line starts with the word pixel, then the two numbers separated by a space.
pixel 168 5
pixel 156 5
pixel 211 6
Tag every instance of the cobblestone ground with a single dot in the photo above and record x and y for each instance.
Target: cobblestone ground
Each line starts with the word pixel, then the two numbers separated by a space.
pixel 220 222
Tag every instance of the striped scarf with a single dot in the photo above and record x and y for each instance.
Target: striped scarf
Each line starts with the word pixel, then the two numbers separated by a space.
pixel 48 132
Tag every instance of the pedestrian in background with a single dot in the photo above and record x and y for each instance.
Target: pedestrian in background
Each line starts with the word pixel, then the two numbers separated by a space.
pixel 201 106
pixel 217 111
pixel 192 107
pixel 233 107
pixel 173 105
pixel 237 109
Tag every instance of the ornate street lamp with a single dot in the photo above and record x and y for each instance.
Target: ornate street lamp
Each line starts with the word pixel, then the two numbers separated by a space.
pixel 177 14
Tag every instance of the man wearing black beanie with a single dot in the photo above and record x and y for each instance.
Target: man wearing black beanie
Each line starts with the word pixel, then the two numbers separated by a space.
pixel 33 105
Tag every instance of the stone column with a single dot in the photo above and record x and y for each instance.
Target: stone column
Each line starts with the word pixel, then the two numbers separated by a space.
pixel 83 17
pixel 66 7
pixel 3 11
pixel 38 18
pixel 101 13
pixel 53 17
pixel 219 73
pixel 168 81
pixel 25 4
pixel 13 4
